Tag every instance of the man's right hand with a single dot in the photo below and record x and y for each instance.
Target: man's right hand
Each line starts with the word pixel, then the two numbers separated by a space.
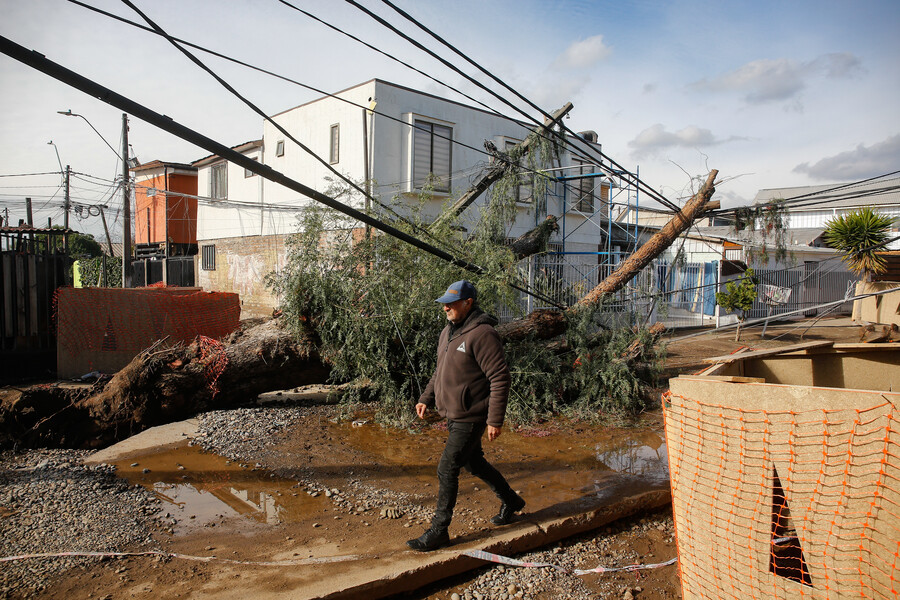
pixel 420 410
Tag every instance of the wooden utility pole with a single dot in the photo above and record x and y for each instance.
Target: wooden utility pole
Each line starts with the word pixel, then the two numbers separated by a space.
pixel 66 218
pixel 126 208
pixel 495 172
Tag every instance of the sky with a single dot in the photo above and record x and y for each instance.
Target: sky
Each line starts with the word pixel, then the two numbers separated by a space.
pixel 772 94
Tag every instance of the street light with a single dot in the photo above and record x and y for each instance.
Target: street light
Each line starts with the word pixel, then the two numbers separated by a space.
pixel 69 113
pixel 126 200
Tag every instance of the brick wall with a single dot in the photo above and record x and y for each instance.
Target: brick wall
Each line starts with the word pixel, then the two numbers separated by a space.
pixel 242 264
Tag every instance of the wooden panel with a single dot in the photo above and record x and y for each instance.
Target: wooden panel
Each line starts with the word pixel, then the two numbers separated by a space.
pixel 769 351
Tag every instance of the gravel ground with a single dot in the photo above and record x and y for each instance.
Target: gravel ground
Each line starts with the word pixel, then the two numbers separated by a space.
pixel 50 502
pixel 582 552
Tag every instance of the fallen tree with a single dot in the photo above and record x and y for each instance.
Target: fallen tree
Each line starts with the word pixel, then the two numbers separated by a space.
pixel 162 385
pixel 546 324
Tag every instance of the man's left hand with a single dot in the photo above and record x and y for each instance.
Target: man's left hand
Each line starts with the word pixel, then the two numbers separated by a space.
pixel 493 432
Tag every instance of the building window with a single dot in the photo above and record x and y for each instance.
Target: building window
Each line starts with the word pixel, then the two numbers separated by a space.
pixel 248 172
pixel 334 154
pixel 218 181
pixel 584 188
pixel 431 155
pixel 279 148
pixel 208 257
pixel 524 189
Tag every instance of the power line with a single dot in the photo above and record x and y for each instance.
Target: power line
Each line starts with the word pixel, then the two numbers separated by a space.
pixel 41 63
pixel 322 92
pixel 659 197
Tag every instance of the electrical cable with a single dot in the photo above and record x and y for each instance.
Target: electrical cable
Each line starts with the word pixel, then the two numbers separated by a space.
pixel 39 62
pixel 137 25
pixel 658 197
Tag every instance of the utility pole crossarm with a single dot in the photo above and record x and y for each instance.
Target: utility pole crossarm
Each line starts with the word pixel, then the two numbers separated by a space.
pixel 496 172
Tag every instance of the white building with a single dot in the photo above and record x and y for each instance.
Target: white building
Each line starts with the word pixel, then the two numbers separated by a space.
pixel 409 135
pixel 811 207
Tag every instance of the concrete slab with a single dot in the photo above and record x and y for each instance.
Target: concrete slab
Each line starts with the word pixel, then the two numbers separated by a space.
pixel 150 440
pixel 398 571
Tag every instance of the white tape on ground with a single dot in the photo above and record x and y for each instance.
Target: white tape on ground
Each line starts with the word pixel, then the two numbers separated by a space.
pixel 505 560
pixel 277 563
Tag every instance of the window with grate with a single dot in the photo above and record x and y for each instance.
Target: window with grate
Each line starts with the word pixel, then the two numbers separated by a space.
pixel 334 150
pixel 432 155
pixel 218 181
pixel 584 188
pixel 208 257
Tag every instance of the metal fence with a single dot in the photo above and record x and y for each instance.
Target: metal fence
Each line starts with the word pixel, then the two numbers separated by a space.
pixel 677 294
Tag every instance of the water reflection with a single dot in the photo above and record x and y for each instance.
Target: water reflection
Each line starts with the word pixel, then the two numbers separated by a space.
pixel 198 489
pixel 643 457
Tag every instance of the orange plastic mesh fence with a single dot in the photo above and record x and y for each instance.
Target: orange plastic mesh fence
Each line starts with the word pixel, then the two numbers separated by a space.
pixel 104 328
pixel 786 504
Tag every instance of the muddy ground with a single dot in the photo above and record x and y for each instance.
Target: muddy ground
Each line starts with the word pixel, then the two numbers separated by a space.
pixel 327 481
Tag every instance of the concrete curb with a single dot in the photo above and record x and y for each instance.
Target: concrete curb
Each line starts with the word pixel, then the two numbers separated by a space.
pixel 149 440
pixel 413 570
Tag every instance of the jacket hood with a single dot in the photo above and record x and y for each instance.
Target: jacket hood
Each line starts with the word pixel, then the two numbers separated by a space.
pixel 477 317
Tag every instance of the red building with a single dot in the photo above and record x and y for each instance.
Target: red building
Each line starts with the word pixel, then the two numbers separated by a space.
pixel 165 219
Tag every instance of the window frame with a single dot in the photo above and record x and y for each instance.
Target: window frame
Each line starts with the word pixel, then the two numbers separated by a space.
pixel 247 172
pixel 214 192
pixel 425 127
pixel 334 144
pixel 279 148
pixel 585 187
pixel 208 257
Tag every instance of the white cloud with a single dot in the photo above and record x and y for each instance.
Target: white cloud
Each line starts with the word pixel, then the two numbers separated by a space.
pixel 782 79
pixel 656 138
pixel 860 163
pixel 583 54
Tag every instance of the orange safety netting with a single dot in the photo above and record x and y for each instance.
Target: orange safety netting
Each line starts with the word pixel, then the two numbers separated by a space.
pixel 785 504
pixel 104 328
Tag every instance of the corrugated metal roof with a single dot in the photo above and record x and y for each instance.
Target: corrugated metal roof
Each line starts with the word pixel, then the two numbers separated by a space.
pixel 14 230
pixel 793 237
pixel 835 195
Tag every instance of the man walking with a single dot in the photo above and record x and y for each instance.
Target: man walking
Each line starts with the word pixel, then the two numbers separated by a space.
pixel 470 387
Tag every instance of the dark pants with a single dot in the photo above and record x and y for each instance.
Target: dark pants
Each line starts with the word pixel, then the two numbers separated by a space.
pixel 463 449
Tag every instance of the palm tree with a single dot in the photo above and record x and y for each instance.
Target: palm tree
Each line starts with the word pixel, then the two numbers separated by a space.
pixel 861 235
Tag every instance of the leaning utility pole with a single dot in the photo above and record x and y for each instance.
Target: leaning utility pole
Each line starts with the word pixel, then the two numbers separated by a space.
pixel 495 172
pixel 126 208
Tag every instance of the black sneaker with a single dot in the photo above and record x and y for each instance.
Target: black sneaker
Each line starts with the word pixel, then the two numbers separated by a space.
pixel 507 510
pixel 432 539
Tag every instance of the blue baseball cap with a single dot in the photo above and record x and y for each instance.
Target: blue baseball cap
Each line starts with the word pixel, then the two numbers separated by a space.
pixel 460 290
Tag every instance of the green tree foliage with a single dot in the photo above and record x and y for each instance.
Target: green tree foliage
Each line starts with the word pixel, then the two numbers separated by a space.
pixel 861 235
pixel 371 303
pixel 738 296
pixel 91 271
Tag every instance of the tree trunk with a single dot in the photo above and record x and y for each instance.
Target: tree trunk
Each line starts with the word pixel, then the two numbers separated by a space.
pixel 535 240
pixel 162 386
pixel 656 245
pixel 550 323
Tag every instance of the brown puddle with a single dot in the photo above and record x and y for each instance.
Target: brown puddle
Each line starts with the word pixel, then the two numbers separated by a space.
pixel 199 489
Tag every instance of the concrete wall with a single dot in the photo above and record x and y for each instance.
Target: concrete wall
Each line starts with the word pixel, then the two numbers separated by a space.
pixel 884 309
pixel 242 264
